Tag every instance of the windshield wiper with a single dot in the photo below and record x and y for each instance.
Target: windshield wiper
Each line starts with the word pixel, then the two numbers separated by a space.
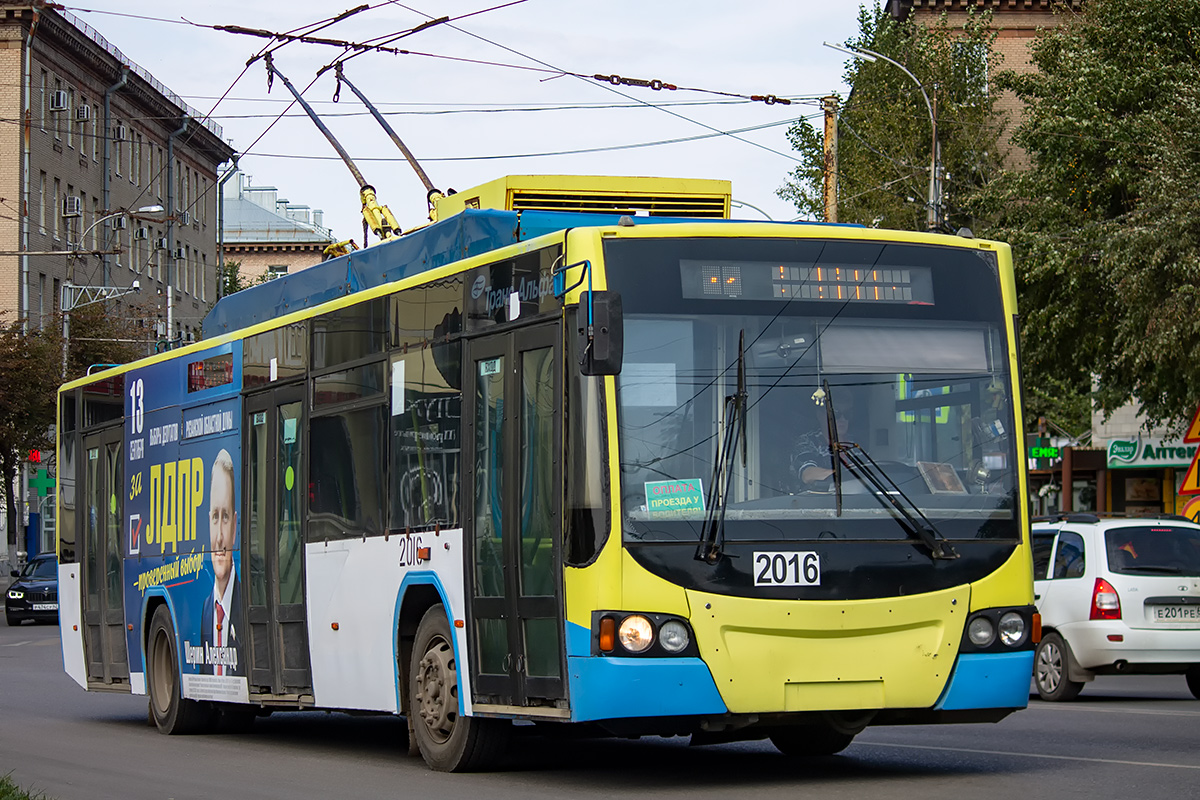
pixel 908 514
pixel 734 419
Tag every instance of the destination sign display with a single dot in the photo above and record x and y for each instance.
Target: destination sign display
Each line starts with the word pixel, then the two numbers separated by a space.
pixel 773 280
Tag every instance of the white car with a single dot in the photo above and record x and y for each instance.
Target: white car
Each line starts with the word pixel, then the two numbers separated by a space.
pixel 1117 596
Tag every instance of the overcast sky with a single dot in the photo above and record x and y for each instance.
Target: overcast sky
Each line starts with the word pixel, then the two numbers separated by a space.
pixel 469 123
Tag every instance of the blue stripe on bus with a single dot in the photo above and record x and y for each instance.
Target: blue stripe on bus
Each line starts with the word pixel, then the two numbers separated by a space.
pixel 989 680
pixel 603 687
pixel 423 579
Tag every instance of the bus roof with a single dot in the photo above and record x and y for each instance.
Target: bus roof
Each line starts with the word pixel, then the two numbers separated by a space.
pixel 468 233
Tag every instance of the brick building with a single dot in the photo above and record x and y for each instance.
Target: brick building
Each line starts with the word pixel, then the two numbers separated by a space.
pixel 267 234
pixel 1018 23
pixel 87 133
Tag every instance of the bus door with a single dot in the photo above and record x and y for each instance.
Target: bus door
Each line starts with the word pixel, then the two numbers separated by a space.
pixel 103 601
pixel 513 391
pixel 272 543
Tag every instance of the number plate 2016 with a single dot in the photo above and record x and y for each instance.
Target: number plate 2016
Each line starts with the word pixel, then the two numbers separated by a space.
pixel 786 569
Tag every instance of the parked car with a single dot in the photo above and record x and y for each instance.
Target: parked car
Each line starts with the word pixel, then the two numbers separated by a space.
pixel 34 593
pixel 1118 596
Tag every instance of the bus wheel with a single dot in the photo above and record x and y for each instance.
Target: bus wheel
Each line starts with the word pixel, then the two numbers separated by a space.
pixel 448 741
pixel 811 740
pixel 171 711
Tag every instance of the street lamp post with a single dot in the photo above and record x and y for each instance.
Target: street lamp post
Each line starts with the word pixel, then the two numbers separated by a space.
pixel 934 201
pixel 73 296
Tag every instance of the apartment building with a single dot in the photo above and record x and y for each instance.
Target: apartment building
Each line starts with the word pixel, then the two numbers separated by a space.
pixel 106 178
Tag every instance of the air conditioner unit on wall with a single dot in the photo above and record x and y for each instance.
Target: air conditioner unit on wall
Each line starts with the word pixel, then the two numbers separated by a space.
pixel 71 207
pixel 180 252
pixel 83 113
pixel 160 243
pixel 120 223
pixel 120 134
pixel 141 233
pixel 58 101
pixel 185 218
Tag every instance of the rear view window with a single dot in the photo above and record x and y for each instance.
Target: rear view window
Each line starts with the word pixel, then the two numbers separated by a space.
pixel 1153 550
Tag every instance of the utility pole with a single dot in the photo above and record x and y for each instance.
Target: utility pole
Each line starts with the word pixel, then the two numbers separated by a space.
pixel 831 158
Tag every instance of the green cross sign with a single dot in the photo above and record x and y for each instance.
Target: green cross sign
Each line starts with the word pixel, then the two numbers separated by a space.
pixel 42 482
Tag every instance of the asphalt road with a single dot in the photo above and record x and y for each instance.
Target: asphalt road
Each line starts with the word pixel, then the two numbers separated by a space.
pixel 1136 738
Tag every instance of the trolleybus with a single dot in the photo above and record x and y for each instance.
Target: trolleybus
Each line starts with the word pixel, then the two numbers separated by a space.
pixel 622 463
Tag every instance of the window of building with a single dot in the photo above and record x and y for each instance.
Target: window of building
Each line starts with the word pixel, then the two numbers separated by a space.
pixel 203 276
pixel 42 102
pixel 70 115
pixel 57 114
pixel 159 177
pixel 57 209
pixel 118 146
pixel 95 134
pixel 135 166
pixel 42 205
pixel 276 271
pixel 95 216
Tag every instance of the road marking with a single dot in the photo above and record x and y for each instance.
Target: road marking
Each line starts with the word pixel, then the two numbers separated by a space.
pixel 17 644
pixel 1032 755
pixel 1117 710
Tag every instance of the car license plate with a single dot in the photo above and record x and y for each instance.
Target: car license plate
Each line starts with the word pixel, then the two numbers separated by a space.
pixel 1177 613
pixel 45 606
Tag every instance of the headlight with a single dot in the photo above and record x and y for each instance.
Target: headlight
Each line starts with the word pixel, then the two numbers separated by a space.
pixel 14 594
pixel 1012 629
pixel 636 633
pixel 673 636
pixel 980 631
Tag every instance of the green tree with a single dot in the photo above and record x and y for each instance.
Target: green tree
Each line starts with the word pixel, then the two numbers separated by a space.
pixel 1106 223
pixel 884 136
pixel 30 363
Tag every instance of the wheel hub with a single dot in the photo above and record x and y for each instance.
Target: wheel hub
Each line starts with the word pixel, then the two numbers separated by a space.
pixel 437 690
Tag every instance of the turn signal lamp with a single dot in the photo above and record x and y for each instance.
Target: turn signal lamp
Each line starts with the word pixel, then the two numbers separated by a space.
pixel 1106 604
pixel 608 634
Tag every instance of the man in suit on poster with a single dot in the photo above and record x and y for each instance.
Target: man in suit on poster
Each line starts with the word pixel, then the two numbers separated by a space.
pixel 223 608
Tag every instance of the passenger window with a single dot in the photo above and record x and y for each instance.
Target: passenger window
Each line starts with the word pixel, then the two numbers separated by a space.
pixel 1043 547
pixel 1069 560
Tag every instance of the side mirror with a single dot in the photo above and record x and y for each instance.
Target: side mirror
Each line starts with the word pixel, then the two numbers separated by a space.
pixel 16 574
pixel 602 341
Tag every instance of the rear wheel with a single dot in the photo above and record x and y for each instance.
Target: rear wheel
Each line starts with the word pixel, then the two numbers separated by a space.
pixel 448 741
pixel 172 712
pixel 1193 680
pixel 1051 668
pixel 820 739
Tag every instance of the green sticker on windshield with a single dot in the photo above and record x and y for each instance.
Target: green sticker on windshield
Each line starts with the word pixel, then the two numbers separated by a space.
pixel 674 498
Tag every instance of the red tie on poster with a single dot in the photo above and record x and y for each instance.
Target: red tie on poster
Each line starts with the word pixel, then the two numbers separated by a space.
pixel 220 670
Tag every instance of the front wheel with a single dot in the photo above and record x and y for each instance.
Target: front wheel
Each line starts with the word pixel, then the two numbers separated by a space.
pixel 1193 680
pixel 448 741
pixel 1050 670
pixel 811 740
pixel 172 712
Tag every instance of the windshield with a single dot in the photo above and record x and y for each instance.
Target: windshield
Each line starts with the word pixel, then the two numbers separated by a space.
pixel 906 342
pixel 41 568
pixel 1153 550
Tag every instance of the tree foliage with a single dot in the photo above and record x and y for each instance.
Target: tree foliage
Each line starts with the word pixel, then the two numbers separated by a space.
pixel 30 363
pixel 884 133
pixel 1106 223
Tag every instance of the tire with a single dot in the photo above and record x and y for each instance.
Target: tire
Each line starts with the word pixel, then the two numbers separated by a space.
pixel 448 741
pixel 1193 680
pixel 806 741
pixel 172 713
pixel 1050 669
